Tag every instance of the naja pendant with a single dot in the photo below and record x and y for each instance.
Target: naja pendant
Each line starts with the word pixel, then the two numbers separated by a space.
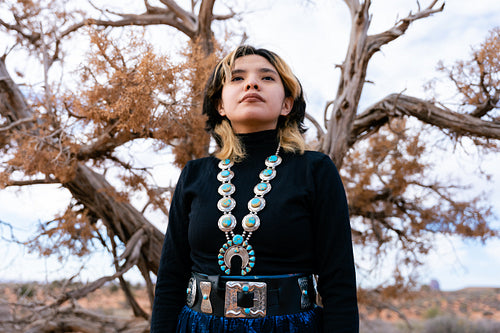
pixel 236 247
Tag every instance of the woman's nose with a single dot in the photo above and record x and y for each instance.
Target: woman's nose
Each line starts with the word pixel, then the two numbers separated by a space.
pixel 251 84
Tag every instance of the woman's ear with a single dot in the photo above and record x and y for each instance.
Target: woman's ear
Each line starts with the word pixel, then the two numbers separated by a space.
pixel 220 109
pixel 287 106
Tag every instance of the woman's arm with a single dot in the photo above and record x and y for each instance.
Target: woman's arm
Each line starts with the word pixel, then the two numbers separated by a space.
pixel 334 254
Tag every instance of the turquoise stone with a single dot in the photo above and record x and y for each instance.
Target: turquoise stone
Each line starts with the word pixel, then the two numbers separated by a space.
pixel 225 246
pixel 268 172
pixel 262 186
pixel 227 271
pixel 222 250
pixel 205 296
pixel 238 239
pixel 225 173
pixel 243 272
pixel 245 288
pixel 226 203
pixel 226 222
pixel 226 187
pixel 247 310
pixel 188 290
pixel 220 256
pixel 251 264
pixel 255 202
pixel 230 243
pixel 305 292
pixel 249 247
pixel 273 158
pixel 245 243
pixel 251 258
pixel 250 222
pixel 223 267
pixel 221 262
pixel 251 253
pixel 227 161
pixel 248 269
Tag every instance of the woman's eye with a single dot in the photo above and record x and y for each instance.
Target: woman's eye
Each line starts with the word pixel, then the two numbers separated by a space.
pixel 236 78
pixel 268 78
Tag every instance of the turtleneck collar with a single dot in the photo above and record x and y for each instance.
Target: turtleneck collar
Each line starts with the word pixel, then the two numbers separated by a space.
pixel 265 141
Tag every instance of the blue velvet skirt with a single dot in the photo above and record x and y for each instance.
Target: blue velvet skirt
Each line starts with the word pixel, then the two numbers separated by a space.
pixel 304 322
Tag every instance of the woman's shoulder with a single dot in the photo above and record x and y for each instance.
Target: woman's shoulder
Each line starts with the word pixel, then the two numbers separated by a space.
pixel 200 162
pixel 316 157
pixel 199 165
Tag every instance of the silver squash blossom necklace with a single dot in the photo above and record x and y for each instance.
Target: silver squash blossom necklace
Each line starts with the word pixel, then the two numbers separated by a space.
pixel 237 245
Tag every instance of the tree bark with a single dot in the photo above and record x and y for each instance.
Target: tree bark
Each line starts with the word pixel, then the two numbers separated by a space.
pixel 12 103
pixel 353 73
pixel 95 193
pixel 397 105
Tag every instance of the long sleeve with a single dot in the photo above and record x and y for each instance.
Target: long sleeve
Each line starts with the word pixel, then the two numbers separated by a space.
pixel 175 264
pixel 333 250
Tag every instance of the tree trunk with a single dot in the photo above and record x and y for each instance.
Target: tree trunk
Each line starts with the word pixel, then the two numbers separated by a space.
pixel 95 193
pixel 353 73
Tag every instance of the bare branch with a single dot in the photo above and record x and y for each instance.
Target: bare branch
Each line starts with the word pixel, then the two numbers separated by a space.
pixel 17 123
pixel 104 144
pixel 186 17
pixel 32 38
pixel 131 261
pixel 320 132
pixel 225 17
pixel 134 19
pixel 33 182
pixel 205 17
pixel 374 42
pixel 132 252
pixel 13 105
pixel 397 105
pixel 325 113
pixel 353 5
pixel 155 10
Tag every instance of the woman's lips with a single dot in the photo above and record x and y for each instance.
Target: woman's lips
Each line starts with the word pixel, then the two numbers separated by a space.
pixel 252 98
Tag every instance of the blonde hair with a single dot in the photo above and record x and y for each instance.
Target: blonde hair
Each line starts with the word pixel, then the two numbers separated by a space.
pixel 290 138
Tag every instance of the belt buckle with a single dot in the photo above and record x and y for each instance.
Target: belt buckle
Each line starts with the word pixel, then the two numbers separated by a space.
pixel 231 307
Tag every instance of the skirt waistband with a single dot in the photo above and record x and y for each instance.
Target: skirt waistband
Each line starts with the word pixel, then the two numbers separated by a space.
pixel 250 296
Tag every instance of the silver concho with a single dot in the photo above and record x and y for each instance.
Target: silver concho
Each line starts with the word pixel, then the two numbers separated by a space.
pixel 262 188
pixel 224 186
pixel 255 209
pixel 255 226
pixel 225 164
pixel 272 164
pixel 305 301
pixel 191 292
pixel 222 177
pixel 226 204
pixel 267 174
pixel 231 226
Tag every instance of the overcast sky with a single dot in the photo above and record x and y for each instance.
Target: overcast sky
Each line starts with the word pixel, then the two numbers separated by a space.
pixel 312 38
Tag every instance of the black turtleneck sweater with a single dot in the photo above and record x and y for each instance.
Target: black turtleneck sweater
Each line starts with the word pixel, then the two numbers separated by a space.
pixel 304 229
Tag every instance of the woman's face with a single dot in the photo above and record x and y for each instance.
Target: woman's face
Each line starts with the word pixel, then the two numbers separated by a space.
pixel 254 98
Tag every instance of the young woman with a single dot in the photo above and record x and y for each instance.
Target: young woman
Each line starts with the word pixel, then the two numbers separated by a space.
pixel 250 225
